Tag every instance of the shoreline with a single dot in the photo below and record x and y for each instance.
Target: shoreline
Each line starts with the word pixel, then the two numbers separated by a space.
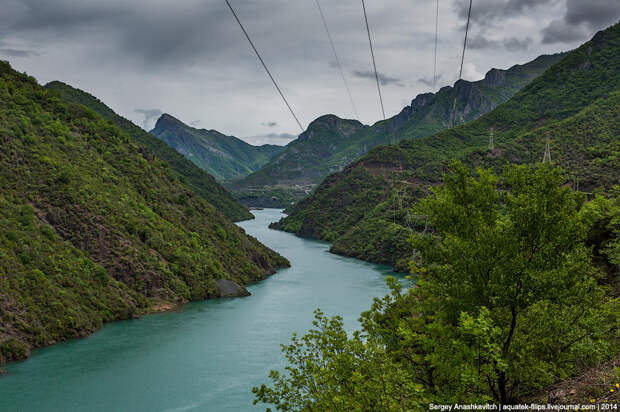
pixel 158 308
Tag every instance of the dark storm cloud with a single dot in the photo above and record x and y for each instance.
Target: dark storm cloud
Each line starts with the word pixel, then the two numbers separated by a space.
pixel 149 116
pixel 559 32
pixel 190 57
pixel 580 20
pixel 151 31
pixel 596 14
pixel 492 11
pixel 384 79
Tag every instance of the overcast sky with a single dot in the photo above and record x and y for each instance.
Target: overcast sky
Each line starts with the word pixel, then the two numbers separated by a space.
pixel 189 58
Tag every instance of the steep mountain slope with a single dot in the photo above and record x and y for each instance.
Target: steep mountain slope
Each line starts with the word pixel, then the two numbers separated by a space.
pixel 225 157
pixel 331 143
pixel 95 228
pixel 302 160
pixel 363 209
pixel 198 180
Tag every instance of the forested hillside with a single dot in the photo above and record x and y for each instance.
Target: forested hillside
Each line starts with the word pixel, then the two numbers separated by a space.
pixel 364 211
pixel 201 182
pixel 94 227
pixel 225 157
pixel 330 143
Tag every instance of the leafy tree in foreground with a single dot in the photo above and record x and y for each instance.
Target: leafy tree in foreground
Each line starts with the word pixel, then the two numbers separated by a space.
pixel 506 301
pixel 509 280
pixel 333 372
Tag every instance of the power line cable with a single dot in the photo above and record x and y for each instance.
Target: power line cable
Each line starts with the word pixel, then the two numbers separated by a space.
pixel 465 42
pixel 462 61
pixel 436 35
pixel 264 65
pixel 331 42
pixel 374 64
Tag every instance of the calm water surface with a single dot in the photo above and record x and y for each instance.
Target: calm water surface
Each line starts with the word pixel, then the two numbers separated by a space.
pixel 206 357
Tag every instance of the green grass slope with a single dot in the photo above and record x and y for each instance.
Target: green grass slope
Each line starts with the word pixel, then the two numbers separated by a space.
pixel 363 209
pixel 198 180
pixel 95 228
pixel 225 157
pixel 331 143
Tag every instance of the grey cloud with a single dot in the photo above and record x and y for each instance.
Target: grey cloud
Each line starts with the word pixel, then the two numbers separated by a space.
pixel 596 14
pixel 385 80
pixel 149 115
pixel 155 33
pixel 480 42
pixel 492 11
pixel 194 123
pixel 19 53
pixel 558 31
pixel 511 44
pixel 270 124
pixel 280 139
pixel 428 81
pixel 580 20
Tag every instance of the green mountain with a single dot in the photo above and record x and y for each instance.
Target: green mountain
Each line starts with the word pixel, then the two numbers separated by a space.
pixel 363 209
pixel 198 180
pixel 302 160
pixel 225 157
pixel 331 143
pixel 94 228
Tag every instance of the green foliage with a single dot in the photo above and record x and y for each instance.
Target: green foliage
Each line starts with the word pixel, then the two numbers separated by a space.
pixel 331 372
pixel 12 349
pixel 576 101
pixel 506 301
pixel 92 227
pixel 518 259
pixel 198 180
pixel 603 218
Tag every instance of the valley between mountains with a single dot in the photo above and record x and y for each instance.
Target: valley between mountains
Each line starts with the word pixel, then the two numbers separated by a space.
pixel 499 198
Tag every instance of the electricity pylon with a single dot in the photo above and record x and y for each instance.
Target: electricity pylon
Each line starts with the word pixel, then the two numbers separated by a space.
pixel 547 156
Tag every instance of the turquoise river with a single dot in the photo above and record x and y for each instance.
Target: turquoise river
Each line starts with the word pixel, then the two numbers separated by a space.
pixel 208 355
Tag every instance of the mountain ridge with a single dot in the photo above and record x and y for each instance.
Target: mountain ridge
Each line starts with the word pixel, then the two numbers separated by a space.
pixel 428 113
pixel 199 180
pixel 361 209
pixel 224 157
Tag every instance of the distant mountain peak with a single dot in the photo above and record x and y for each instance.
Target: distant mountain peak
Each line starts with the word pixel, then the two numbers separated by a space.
pixel 330 143
pixel 167 121
pixel 225 157
pixel 332 123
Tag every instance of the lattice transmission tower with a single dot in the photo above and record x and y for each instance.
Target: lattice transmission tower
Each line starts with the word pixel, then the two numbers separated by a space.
pixel 547 156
